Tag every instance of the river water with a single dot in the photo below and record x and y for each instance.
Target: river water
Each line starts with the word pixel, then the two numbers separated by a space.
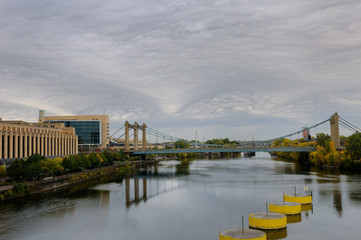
pixel 188 200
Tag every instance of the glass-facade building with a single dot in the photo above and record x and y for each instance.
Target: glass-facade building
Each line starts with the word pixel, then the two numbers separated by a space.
pixel 89 132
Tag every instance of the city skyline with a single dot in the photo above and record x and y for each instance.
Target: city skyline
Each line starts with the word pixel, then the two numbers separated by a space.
pixel 236 69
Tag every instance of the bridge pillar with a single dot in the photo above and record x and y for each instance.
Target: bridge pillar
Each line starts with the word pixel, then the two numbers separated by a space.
pixel 335 131
pixel 144 136
pixel 136 128
pixel 126 125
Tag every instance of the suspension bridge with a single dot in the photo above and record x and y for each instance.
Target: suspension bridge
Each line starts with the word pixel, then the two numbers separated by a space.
pixel 252 146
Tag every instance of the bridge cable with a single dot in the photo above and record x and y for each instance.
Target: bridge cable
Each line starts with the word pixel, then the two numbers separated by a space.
pixel 350 124
pixel 342 122
pixel 286 136
pixel 345 126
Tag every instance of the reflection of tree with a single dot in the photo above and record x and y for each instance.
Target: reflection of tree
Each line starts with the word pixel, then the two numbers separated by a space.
pixel 183 167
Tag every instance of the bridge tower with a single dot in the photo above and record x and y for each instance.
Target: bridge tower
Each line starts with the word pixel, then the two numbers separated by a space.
pixel 136 128
pixel 335 130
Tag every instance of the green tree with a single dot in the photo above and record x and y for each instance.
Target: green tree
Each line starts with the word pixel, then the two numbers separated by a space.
pixel 86 161
pixel 115 156
pixel 32 170
pixel 108 157
pixel 35 158
pixel 181 143
pixel 69 164
pixel 323 140
pixel 52 166
pixel 16 171
pixel 94 160
pixel 353 146
pixel 122 155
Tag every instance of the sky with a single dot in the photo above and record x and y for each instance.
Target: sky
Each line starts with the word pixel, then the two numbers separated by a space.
pixel 240 69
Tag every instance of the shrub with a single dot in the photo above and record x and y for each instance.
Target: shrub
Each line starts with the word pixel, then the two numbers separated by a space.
pixel 2 171
pixel 16 171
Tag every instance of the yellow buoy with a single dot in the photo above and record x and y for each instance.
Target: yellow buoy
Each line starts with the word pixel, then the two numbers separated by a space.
pixel 267 221
pixel 298 198
pixel 239 234
pixel 287 208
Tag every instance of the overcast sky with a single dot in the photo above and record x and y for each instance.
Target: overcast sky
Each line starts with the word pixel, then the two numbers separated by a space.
pixel 225 68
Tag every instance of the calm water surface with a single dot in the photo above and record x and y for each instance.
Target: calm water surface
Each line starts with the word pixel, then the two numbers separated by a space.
pixel 184 201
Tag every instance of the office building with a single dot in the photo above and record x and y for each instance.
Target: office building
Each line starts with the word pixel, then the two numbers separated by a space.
pixel 92 130
pixel 19 139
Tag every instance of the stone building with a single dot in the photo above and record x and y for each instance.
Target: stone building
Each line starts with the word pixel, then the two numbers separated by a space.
pixel 19 139
pixel 92 130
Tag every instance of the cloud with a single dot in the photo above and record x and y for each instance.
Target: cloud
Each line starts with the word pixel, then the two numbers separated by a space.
pixel 230 68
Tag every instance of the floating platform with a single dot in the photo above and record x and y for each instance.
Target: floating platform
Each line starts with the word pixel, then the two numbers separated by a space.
pixel 287 208
pixel 238 234
pixel 298 198
pixel 267 221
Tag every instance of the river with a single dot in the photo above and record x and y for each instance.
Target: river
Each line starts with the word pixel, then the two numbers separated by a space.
pixel 188 200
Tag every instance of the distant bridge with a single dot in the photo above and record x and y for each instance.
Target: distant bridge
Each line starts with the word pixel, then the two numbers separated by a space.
pixel 251 146
pixel 224 150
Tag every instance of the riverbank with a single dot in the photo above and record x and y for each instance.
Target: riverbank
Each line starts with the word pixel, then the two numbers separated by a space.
pixel 19 189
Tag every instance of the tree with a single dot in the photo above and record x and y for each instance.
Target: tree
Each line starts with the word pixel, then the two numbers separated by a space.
pixel 35 158
pixel 32 170
pixel 69 164
pixel 52 166
pixel 353 146
pixel 16 171
pixel 181 143
pixel 94 160
pixel 323 140
pixel 115 156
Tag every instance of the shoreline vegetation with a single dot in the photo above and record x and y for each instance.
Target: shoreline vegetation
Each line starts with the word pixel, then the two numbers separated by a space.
pixel 326 155
pixel 38 174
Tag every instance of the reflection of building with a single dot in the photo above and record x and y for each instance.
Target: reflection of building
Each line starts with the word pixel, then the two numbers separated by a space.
pixel 92 130
pixel 19 139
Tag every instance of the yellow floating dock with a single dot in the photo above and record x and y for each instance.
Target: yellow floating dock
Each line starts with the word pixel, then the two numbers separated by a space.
pixel 298 198
pixel 238 234
pixel 267 221
pixel 287 208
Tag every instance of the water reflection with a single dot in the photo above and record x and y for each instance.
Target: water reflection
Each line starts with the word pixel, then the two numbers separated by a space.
pixel 296 218
pixel 276 234
pixel 337 201
pixel 183 167
pixel 193 192
pixel 307 207
pixel 150 190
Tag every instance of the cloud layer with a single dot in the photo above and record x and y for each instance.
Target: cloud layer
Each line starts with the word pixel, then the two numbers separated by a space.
pixel 226 68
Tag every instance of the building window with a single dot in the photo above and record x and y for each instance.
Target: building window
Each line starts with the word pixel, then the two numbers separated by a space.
pixel 88 131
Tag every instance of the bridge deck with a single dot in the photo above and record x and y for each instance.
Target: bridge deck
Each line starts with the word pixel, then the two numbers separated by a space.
pixel 224 150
